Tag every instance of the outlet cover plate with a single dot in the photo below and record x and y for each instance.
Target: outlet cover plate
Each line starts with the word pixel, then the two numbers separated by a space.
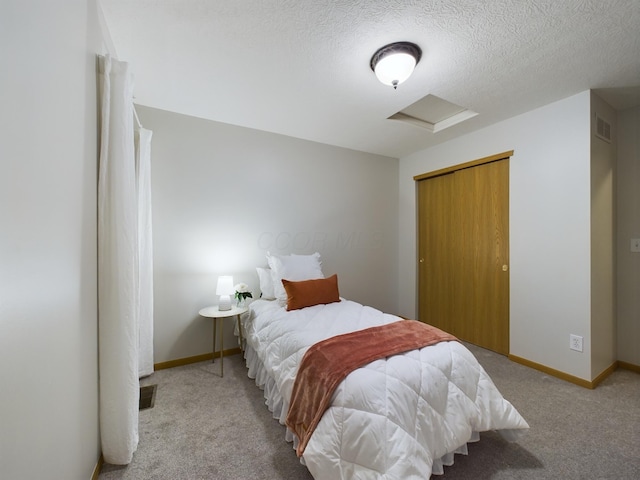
pixel 575 342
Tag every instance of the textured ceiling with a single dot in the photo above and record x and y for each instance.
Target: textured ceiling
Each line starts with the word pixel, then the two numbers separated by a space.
pixel 301 67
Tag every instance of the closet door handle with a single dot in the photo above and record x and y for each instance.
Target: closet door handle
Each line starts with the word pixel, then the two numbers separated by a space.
pixel 422 260
pixel 505 268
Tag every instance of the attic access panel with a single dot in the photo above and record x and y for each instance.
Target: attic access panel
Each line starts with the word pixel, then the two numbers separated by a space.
pixel 433 113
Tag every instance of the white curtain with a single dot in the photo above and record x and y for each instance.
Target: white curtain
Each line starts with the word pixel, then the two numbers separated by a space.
pixel 143 167
pixel 118 265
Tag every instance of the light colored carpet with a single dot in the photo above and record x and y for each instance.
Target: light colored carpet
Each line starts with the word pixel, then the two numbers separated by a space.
pixel 206 427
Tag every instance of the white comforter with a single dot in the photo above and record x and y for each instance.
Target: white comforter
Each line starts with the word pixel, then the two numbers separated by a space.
pixel 399 418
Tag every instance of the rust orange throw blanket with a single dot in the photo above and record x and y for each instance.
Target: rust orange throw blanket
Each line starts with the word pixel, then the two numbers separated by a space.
pixel 327 363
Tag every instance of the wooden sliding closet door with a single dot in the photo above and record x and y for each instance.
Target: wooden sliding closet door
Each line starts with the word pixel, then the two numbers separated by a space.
pixel 463 247
pixel 436 285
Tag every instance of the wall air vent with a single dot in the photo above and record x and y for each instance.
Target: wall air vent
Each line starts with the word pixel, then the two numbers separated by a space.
pixel 603 129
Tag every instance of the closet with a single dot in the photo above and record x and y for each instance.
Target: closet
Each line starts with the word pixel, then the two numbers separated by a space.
pixel 463 251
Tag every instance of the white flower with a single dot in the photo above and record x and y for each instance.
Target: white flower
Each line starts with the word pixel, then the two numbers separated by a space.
pixel 242 292
pixel 242 288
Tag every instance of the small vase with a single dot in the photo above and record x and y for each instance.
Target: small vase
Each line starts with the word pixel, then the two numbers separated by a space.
pixel 241 302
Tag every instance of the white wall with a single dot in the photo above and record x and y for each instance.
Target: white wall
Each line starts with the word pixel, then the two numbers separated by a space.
pixel 628 227
pixel 549 226
pixel 224 195
pixel 48 320
pixel 603 159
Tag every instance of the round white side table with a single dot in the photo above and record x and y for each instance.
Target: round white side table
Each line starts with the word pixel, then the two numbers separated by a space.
pixel 216 314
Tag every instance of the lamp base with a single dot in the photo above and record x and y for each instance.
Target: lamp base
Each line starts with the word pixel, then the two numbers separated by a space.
pixel 224 303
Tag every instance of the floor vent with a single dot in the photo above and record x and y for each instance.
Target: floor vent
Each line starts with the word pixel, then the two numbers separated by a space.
pixel 147 396
pixel 603 129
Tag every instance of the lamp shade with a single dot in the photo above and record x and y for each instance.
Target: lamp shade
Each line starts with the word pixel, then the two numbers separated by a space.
pixel 394 63
pixel 225 285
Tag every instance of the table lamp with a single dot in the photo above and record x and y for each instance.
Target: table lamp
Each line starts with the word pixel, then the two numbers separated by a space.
pixel 225 289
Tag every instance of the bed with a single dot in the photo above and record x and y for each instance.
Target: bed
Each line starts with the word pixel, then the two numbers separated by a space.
pixel 404 416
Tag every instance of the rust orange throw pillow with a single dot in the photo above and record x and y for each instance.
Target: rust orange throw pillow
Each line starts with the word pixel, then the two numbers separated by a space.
pixel 307 293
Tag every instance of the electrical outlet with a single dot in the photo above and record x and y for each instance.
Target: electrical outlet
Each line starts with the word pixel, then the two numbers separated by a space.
pixel 575 342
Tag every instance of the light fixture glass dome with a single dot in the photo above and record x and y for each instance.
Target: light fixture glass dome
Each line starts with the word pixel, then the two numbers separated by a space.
pixel 394 63
pixel 395 69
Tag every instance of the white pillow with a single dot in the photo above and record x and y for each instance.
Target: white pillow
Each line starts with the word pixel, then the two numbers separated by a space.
pixel 266 283
pixel 294 268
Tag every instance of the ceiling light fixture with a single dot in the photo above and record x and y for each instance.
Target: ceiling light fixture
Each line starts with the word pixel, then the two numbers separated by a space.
pixel 394 63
